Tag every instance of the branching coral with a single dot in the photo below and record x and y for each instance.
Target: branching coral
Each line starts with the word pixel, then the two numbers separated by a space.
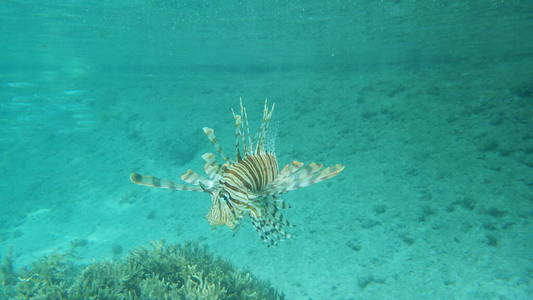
pixel 175 272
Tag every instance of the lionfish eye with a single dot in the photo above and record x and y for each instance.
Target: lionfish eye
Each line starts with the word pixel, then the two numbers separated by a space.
pixel 225 197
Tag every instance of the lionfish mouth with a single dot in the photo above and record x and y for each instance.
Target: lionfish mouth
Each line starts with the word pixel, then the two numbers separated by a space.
pixel 249 185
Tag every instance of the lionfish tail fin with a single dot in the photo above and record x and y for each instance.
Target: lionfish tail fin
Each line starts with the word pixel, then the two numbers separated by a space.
pixel 272 226
pixel 297 175
pixel 152 181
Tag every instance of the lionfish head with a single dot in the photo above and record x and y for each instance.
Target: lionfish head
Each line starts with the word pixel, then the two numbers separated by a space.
pixel 222 212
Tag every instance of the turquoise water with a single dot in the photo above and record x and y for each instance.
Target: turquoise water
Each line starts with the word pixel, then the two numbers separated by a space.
pixel 428 104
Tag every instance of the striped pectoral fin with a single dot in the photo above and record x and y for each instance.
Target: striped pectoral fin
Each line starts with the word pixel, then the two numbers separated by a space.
pixel 210 133
pixel 329 172
pixel 161 183
pixel 304 176
pixel 314 173
pixel 291 168
pixel 192 177
pixel 211 167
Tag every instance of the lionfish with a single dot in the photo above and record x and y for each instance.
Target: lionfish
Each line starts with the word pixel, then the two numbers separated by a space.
pixel 250 185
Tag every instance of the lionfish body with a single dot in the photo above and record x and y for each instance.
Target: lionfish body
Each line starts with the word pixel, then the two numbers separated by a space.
pixel 250 185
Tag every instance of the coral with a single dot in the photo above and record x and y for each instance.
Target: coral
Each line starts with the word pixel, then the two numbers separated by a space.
pixel 175 272
pixel 7 275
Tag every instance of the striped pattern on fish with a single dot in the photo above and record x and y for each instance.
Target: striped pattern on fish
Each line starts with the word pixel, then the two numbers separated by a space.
pixel 250 185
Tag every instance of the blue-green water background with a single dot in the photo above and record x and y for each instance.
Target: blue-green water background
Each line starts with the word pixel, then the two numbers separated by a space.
pixel 427 103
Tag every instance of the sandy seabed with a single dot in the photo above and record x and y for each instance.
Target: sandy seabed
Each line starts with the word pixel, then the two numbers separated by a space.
pixel 434 203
